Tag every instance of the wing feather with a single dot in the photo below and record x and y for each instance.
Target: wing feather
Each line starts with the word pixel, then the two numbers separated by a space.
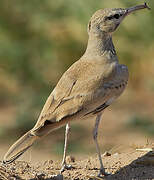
pixel 75 93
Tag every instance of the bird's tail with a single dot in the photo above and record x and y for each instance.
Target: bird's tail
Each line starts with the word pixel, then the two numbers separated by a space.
pixel 19 147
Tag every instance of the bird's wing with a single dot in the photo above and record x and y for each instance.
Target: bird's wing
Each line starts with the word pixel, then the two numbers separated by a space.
pixel 58 96
pixel 77 89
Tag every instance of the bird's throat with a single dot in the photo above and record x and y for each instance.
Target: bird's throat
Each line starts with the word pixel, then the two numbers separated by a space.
pixel 101 46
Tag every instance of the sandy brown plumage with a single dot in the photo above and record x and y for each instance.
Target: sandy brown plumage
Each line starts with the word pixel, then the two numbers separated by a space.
pixel 89 86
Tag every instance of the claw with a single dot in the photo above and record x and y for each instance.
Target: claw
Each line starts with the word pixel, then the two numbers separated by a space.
pixel 102 173
pixel 65 167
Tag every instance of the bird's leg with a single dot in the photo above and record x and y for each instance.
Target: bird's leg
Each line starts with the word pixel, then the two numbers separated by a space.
pixel 95 133
pixel 64 165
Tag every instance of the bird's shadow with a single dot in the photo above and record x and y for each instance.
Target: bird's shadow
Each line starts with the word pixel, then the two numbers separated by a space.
pixel 140 169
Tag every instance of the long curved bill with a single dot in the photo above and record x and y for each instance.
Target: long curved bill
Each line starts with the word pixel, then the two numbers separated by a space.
pixel 136 8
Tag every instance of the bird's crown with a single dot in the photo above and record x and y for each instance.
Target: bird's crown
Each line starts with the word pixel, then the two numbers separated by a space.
pixel 107 20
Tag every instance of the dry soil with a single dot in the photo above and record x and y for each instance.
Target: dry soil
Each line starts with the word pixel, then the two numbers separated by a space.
pixel 135 165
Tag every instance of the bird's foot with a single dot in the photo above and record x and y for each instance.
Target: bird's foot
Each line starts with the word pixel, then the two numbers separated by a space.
pixel 65 167
pixel 103 173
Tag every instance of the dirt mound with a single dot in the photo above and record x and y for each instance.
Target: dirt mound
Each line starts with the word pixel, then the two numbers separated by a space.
pixel 135 165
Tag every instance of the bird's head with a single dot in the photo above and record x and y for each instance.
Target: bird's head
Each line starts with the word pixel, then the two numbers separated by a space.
pixel 107 20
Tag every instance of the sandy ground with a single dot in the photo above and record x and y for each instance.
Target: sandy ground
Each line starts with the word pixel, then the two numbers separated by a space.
pixel 114 136
pixel 135 165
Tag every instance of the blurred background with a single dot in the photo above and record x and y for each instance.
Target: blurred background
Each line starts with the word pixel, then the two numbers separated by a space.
pixel 39 40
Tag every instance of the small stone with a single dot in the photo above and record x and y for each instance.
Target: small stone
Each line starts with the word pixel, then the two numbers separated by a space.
pixel 40 175
pixel 49 162
pixel 70 159
pixel 106 154
pixel 115 154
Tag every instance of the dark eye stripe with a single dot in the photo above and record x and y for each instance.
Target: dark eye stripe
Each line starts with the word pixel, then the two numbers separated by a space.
pixel 116 16
pixel 110 17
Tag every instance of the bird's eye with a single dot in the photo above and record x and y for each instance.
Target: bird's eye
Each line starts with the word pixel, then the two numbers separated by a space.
pixel 117 16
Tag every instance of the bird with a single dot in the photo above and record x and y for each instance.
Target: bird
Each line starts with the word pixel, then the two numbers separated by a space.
pixel 86 89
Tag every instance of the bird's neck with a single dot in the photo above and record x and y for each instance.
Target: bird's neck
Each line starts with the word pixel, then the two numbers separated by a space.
pixel 101 46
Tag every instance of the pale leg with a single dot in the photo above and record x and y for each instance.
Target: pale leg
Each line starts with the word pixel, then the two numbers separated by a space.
pixel 64 165
pixel 95 133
